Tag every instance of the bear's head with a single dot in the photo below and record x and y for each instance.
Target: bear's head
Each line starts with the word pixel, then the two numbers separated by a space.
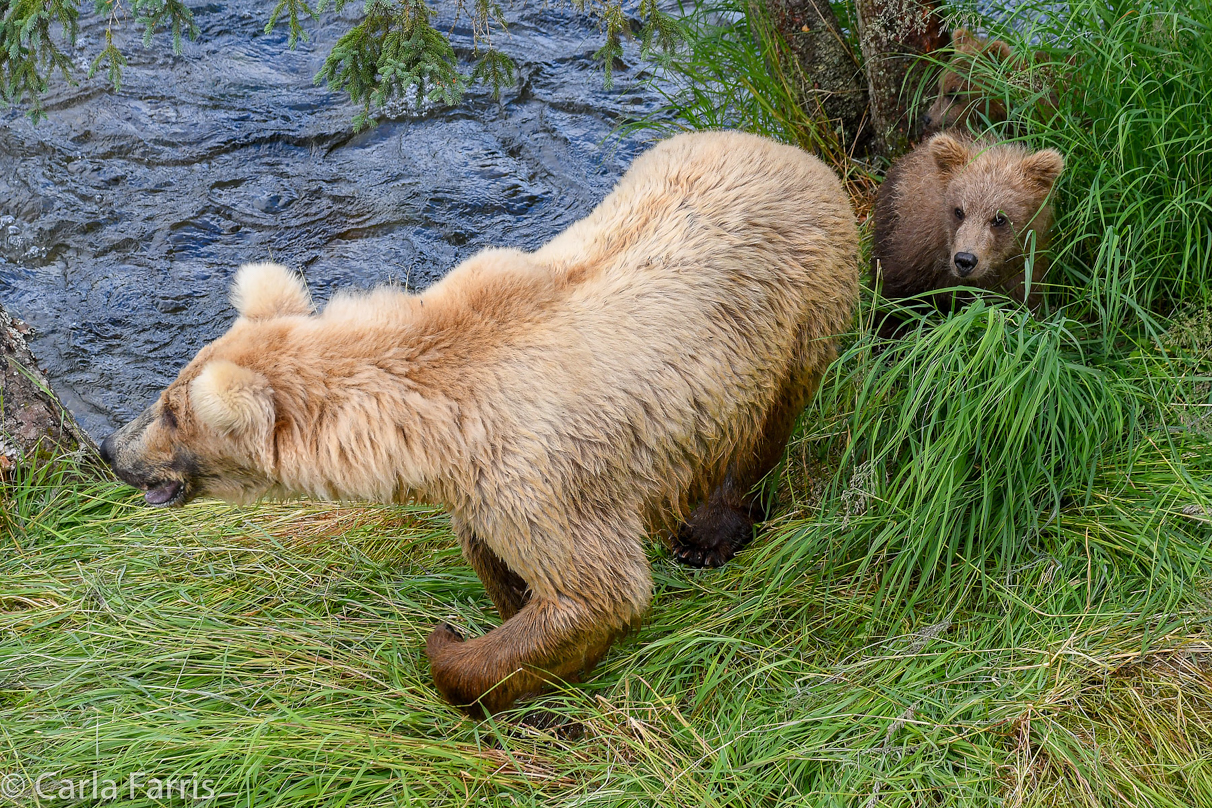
pixel 211 431
pixel 961 93
pixel 996 195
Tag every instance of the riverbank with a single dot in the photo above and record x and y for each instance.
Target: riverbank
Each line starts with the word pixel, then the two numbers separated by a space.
pixel 32 420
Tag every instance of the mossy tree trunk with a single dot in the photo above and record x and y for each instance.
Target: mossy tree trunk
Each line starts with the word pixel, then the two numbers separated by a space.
pixel 33 421
pixel 866 98
pixel 831 77
pixel 891 34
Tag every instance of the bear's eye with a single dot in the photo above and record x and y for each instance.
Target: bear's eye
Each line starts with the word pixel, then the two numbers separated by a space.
pixel 959 214
pixel 998 221
pixel 170 417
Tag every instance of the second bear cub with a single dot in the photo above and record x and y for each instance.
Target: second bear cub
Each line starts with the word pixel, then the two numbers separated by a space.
pixel 957 211
pixel 961 91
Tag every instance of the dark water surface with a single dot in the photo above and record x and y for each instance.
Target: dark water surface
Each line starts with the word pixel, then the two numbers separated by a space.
pixel 123 216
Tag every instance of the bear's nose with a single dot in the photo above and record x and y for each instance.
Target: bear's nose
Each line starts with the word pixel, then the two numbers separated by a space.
pixel 107 450
pixel 965 262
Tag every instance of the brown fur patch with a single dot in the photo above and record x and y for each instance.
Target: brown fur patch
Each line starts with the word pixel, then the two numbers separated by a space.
pixel 961 93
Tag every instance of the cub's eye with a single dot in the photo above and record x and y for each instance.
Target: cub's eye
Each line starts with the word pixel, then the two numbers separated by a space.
pixel 959 214
pixel 998 221
pixel 170 417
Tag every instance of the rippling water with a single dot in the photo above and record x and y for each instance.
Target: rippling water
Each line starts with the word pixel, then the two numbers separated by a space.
pixel 123 216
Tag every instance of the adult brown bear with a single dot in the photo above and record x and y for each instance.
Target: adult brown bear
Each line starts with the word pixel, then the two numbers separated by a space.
pixel 646 364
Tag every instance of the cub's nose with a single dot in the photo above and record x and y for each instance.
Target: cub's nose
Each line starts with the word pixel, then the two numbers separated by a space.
pixel 965 262
pixel 107 450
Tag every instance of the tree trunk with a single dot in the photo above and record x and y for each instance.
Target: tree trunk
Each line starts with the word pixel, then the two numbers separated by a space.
pixel 33 422
pixel 891 34
pixel 830 77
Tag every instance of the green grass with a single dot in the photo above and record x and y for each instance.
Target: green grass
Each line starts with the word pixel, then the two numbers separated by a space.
pixel 732 75
pixel 1131 88
pixel 988 583
pixel 277 651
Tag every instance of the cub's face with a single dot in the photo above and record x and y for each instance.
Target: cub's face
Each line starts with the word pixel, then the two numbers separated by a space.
pixel 995 196
pixel 210 433
pixel 960 91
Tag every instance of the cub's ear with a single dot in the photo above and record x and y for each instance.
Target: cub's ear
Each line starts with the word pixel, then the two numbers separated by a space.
pixel 949 154
pixel 964 41
pixel 261 291
pixel 1042 169
pixel 998 50
pixel 231 399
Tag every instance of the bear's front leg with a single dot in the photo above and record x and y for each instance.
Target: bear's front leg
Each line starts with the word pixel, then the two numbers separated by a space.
pixel 546 640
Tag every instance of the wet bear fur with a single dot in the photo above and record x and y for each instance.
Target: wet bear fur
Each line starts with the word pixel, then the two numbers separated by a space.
pixel 639 373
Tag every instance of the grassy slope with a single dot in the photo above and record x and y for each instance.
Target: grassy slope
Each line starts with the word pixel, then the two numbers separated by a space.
pixel 988 583
pixel 278 651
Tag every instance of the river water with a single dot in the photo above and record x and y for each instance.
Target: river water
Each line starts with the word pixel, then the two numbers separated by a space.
pixel 124 215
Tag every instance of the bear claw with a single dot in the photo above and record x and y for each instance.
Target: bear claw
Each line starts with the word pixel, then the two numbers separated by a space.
pixel 688 551
pixel 698 557
pixel 712 537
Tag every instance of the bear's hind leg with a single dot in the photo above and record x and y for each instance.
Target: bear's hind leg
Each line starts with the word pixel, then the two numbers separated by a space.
pixel 595 588
pixel 545 641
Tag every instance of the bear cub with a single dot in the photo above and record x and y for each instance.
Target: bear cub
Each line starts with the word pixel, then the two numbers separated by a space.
pixel 968 96
pixel 957 211
pixel 961 93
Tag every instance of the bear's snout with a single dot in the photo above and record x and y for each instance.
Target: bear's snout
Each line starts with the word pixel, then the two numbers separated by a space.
pixel 163 477
pixel 964 262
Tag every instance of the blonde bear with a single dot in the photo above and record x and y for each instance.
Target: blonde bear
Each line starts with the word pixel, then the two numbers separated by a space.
pixel 641 372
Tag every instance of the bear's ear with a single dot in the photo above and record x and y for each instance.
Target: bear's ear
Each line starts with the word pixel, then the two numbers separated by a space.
pixel 261 291
pixel 999 51
pixel 964 41
pixel 231 399
pixel 1042 169
pixel 949 154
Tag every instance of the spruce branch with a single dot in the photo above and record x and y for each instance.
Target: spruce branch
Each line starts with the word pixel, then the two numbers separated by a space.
pixel 615 26
pixel 661 31
pixel 173 14
pixel 115 59
pixel 495 69
pixel 392 52
pixel 294 10
pixel 29 53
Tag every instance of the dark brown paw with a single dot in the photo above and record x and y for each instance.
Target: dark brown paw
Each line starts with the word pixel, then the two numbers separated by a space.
pixel 712 537
pixel 444 634
pixel 445 663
